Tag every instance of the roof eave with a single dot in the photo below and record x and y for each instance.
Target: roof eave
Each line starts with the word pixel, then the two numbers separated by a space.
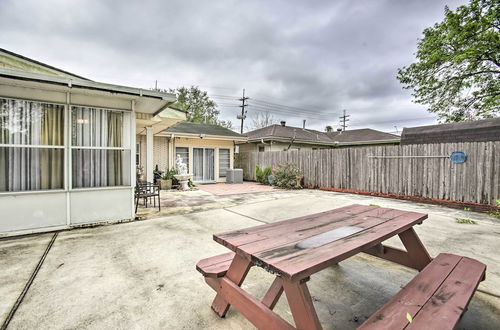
pixel 85 84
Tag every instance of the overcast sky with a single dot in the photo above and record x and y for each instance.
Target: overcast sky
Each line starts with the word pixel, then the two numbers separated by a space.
pixel 316 57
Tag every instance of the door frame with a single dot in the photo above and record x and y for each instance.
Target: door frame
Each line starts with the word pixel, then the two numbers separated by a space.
pixel 204 165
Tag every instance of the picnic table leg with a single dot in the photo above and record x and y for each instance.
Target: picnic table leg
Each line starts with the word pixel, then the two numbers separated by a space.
pixel 415 249
pixel 236 273
pixel 301 305
pixel 274 293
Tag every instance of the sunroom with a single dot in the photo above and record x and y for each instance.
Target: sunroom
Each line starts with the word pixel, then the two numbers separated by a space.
pixel 66 150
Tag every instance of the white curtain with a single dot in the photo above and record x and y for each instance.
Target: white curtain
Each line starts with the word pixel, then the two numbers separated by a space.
pixel 197 164
pixel 30 123
pixel 94 127
pixel 209 165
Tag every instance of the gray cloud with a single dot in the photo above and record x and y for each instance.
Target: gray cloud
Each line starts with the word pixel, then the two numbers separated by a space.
pixel 321 56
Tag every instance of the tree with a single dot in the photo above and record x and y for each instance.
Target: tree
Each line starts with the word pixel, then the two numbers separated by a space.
pixel 457 72
pixel 200 108
pixel 263 119
pixel 328 128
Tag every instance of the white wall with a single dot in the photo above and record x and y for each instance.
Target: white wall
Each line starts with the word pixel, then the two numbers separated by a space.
pixel 106 205
pixel 24 211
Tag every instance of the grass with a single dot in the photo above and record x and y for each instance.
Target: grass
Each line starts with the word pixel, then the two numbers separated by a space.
pixel 466 221
pixel 495 214
pixel 467 209
pixel 374 205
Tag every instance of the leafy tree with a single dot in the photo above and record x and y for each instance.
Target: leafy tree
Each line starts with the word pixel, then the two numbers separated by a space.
pixel 457 72
pixel 328 128
pixel 200 108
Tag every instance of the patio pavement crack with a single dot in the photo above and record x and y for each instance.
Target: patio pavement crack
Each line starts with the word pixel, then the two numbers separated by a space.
pixel 28 283
pixel 244 215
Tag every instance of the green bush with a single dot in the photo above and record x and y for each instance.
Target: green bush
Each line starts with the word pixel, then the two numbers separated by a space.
pixel 262 173
pixel 257 173
pixel 288 176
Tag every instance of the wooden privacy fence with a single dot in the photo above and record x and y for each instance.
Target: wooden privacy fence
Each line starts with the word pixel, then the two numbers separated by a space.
pixel 395 169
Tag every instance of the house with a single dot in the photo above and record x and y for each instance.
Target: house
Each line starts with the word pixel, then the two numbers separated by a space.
pixel 67 145
pixel 468 131
pixel 282 137
pixel 207 150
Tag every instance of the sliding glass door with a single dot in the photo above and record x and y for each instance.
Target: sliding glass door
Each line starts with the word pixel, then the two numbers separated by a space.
pixel 203 164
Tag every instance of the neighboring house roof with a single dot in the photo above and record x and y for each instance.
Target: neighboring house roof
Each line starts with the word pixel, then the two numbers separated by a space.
pixel 469 131
pixel 198 128
pixel 16 61
pixel 361 135
pixel 288 132
pixel 309 136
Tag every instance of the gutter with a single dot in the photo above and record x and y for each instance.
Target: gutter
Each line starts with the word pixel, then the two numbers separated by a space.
pixel 208 137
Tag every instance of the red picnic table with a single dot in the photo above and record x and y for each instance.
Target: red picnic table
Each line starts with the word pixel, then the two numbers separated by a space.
pixel 295 249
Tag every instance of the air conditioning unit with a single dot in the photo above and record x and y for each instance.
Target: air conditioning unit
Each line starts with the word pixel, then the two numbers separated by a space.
pixel 234 175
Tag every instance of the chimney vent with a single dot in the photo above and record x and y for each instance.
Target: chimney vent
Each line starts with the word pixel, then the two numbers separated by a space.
pixel 283 123
pixel 304 123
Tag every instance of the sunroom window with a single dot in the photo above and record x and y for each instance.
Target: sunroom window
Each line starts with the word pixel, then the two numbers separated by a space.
pixel 31 145
pixel 100 154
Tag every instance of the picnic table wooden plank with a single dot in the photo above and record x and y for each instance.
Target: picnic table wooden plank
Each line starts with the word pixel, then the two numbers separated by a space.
pixel 413 295
pixel 448 303
pixel 235 238
pixel 301 263
pixel 314 229
pixel 215 266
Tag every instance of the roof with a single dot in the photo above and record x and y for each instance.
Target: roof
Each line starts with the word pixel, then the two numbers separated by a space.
pixel 177 108
pixel 16 61
pixel 469 131
pixel 309 136
pixel 361 135
pixel 199 128
pixel 288 132
pixel 146 101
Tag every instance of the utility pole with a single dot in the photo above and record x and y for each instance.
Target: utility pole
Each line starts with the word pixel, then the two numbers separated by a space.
pixel 343 120
pixel 243 115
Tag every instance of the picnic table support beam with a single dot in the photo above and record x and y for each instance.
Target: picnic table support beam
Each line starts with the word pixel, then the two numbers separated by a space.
pixel 301 305
pixel 274 293
pixel 415 249
pixel 392 254
pixel 236 273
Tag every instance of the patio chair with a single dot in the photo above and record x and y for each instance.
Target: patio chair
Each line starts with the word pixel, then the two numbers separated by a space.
pixel 147 191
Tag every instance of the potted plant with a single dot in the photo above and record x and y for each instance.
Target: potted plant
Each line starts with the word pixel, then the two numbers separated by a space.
pixel 166 179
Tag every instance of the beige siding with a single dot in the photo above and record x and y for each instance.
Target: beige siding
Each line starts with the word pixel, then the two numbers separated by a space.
pixel 161 151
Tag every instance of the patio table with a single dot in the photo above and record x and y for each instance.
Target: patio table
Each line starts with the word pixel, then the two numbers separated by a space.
pixel 295 249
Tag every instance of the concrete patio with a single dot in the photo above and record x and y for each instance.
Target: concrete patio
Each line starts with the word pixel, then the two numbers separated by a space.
pixel 142 274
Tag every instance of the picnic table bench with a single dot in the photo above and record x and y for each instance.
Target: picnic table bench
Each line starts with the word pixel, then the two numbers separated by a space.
pixel 295 249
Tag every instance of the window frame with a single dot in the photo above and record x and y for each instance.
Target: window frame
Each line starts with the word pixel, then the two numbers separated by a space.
pixel 187 153
pixel 228 162
pixel 64 109
pixel 127 117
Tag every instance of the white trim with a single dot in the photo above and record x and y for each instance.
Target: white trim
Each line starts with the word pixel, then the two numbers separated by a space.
pixel 31 100
pixel 29 192
pixel 99 148
pixel 101 188
pixel 39 146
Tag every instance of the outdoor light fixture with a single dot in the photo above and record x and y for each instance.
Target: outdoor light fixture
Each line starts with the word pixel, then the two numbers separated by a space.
pixel 202 136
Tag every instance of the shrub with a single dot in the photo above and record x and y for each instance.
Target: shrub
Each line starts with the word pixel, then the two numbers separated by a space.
pixel 287 175
pixel 262 173
pixel 258 173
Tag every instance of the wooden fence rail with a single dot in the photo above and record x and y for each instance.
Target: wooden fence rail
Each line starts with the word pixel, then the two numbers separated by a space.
pixel 476 181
